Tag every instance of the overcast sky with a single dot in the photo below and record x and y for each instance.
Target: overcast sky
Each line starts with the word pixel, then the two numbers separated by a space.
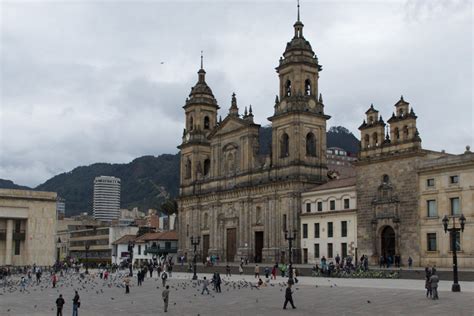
pixel 105 81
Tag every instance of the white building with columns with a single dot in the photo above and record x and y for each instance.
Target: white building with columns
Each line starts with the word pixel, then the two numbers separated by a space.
pixel 27 227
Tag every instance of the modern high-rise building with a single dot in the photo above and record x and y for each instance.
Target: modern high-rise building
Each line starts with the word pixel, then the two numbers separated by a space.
pixel 106 198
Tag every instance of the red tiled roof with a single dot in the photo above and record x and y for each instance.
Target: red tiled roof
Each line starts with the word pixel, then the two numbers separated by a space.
pixel 124 239
pixel 334 184
pixel 168 235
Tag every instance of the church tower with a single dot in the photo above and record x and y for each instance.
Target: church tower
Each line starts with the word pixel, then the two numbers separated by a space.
pixel 299 122
pixel 201 118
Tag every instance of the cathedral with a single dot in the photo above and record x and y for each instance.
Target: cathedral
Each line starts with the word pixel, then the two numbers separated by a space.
pixel 238 201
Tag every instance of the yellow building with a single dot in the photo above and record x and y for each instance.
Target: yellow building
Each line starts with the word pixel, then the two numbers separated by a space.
pixel 329 221
pixel 27 227
pixel 446 187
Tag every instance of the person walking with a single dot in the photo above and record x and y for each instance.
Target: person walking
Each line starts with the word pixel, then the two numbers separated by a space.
pixel 126 281
pixel 218 283
pixel 76 303
pixel 166 295
pixel 241 269
pixel 54 279
pixel 434 279
pixel 257 271
pixel 164 276
pixel 410 262
pixel 59 304
pixel 427 282
pixel 288 297
pixel 205 284
pixel 227 270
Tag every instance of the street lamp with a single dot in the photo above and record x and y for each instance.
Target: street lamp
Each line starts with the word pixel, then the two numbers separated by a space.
pixel 453 231
pixel 87 245
pixel 290 241
pixel 195 242
pixel 131 245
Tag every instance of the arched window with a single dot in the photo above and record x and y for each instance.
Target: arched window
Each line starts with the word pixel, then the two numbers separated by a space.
pixel 405 132
pixel 207 166
pixel 284 145
pixel 288 88
pixel 206 122
pixel 375 139
pixel 187 169
pixel 206 220
pixel 307 87
pixel 310 145
pixel 191 123
pixel 371 119
pixel 367 140
pixel 397 133
pixel 258 215
pixel 385 178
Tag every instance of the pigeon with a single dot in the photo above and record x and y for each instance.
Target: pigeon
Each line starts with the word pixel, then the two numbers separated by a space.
pixel 368 302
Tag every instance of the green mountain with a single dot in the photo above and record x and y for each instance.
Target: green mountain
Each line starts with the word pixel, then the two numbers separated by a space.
pixel 8 184
pixel 148 181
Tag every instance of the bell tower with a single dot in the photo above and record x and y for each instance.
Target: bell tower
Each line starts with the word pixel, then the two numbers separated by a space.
pixel 299 122
pixel 201 118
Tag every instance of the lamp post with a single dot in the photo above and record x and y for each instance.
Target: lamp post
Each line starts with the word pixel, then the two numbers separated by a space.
pixel 290 241
pixel 131 245
pixel 87 246
pixel 195 242
pixel 453 231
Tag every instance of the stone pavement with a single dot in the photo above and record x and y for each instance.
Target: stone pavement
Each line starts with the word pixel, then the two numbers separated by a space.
pixel 311 295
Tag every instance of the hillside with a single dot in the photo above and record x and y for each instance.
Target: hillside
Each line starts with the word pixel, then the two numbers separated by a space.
pixel 147 181
pixel 8 184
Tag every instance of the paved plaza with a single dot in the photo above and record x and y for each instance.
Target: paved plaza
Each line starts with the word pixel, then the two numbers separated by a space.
pixel 312 296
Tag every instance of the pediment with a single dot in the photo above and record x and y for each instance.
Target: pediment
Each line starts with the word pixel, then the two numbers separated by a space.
pixel 229 125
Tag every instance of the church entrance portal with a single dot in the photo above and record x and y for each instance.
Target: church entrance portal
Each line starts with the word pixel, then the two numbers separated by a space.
pixel 388 241
pixel 231 244
pixel 258 246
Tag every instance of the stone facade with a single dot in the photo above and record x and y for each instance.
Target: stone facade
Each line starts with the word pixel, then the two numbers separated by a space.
pixel 236 200
pixel 387 185
pixel 27 227
pixel 437 191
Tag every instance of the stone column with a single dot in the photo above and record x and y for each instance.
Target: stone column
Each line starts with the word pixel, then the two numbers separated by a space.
pixel 9 243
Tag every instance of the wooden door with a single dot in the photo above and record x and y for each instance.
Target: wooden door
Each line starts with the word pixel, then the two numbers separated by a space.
pixel 258 246
pixel 231 244
pixel 205 246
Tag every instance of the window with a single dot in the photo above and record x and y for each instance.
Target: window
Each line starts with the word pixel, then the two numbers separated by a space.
pixel 344 229
pixel 455 208
pixel 139 249
pixel 367 140
pixel 405 132
pixel 385 179
pixel 284 145
pixel 344 250
pixel 187 168
pixel 316 250
pixel 454 179
pixel 305 230
pixel 206 122
pixel 397 133
pixel 284 222
pixel 307 87
pixel 320 206
pixel 308 207
pixel 329 250
pixel 375 139
pixel 430 183
pixel 167 244
pixel 431 206
pixel 332 205
pixel 207 166
pixel 191 123
pixel 431 239
pixel 288 88
pixel 17 247
pixel 310 145
pixel 330 232
pixel 457 242
pixel 346 203
pixel 316 230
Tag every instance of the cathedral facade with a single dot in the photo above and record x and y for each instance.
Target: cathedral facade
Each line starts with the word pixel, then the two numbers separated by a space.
pixel 238 201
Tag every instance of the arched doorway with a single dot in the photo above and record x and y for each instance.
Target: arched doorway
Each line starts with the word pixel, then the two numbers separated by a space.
pixel 388 241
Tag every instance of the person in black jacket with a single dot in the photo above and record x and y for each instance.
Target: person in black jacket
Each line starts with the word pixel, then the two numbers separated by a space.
pixel 289 297
pixel 76 302
pixel 59 304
